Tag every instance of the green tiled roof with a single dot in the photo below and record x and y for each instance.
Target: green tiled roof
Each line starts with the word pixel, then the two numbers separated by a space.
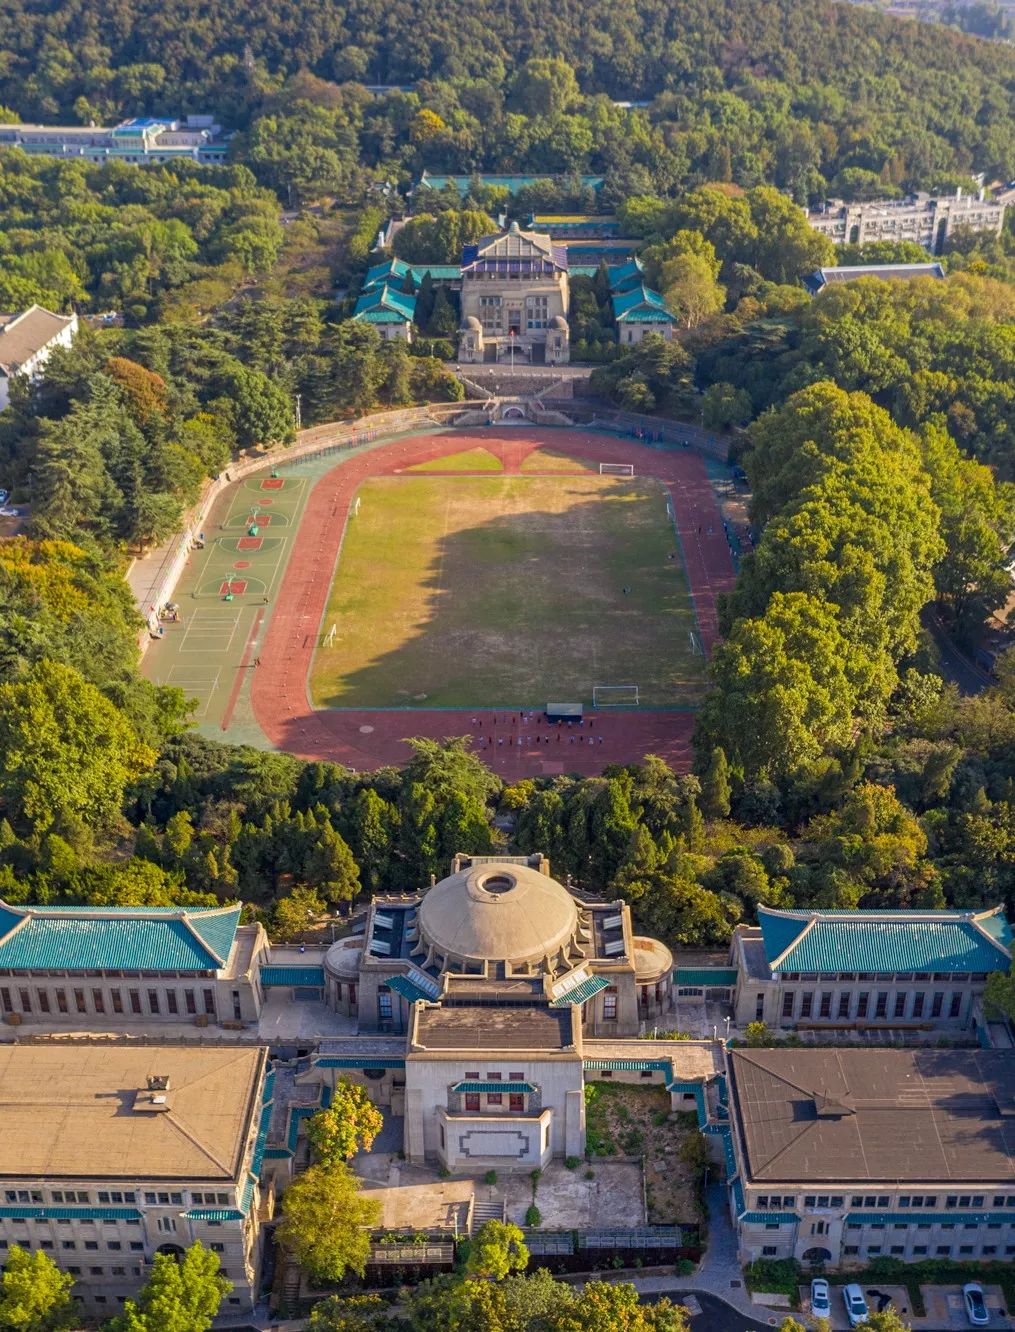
pixel 704 976
pixel 579 993
pixel 886 941
pixel 379 274
pixel 71 1213
pixel 407 988
pixel 116 939
pixel 212 1214
pixel 512 183
pixel 640 304
pixel 310 977
pixel 491 1088
pixel 382 300
pixel 360 1061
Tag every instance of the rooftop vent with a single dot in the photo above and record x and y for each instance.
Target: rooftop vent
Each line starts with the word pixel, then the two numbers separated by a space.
pixel 497 884
pixel 154 1098
pixel 829 1106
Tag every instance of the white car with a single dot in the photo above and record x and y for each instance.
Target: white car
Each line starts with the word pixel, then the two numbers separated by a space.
pixel 977 1312
pixel 820 1307
pixel 856 1306
pixel 4 496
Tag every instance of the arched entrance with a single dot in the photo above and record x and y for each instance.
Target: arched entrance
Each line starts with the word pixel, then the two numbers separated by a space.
pixel 171 1251
pixel 817 1256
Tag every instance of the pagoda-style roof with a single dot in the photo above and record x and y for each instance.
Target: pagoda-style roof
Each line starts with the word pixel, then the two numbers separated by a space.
pixel 641 305
pixel 382 305
pixel 886 941
pixel 515 251
pixel 78 938
pixel 627 275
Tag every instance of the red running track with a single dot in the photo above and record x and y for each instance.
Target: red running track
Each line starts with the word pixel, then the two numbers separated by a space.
pixel 366 739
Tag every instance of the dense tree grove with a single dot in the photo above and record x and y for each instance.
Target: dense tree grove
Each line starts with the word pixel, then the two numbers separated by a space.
pixel 802 95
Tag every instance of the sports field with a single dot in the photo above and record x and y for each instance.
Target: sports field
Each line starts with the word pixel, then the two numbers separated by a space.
pixel 507 590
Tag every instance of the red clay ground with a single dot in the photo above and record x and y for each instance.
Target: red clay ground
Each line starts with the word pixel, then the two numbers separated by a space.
pixel 369 739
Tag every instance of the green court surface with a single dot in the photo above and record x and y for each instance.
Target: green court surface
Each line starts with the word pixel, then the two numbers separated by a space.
pixel 462 591
pixel 223 595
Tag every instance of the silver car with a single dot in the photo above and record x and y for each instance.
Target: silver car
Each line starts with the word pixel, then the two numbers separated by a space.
pixel 976 1306
pixel 820 1306
pixel 856 1306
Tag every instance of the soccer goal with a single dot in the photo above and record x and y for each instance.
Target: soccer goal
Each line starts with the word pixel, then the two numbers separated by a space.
pixel 616 469
pixel 615 696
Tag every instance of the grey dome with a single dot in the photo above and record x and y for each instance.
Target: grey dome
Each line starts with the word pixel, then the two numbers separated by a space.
pixel 498 913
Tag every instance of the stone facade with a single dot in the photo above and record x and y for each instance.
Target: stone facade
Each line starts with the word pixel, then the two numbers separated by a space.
pixel 925 219
pixel 515 300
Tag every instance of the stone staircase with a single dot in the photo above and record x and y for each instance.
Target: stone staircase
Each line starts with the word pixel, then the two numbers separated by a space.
pixel 488 1211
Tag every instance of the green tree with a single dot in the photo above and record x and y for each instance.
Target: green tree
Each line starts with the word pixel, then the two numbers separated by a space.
pixel 179 1296
pixel 690 289
pixel 35 1296
pixel 715 786
pixel 604 1307
pixel 66 753
pixel 348 1313
pixel 325 1223
pixel 295 913
pixel 349 1125
pixel 497 1249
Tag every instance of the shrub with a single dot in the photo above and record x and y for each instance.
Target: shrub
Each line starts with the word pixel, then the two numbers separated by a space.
pixel 490 1177
pixel 572 1162
pixel 533 1216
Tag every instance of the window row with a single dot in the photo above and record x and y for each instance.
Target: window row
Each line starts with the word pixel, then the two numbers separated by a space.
pixel 848 1004
pixel 137 1002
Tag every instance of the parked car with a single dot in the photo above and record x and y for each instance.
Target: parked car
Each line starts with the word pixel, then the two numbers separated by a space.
pixel 856 1306
pixel 976 1306
pixel 4 495
pixel 820 1307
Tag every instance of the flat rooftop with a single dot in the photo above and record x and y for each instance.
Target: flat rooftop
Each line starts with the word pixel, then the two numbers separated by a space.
pixel 875 1116
pixel 68 1111
pixel 436 1205
pixel 492 1028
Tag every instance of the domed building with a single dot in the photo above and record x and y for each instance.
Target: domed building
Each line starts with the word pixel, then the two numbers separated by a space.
pixel 478 1002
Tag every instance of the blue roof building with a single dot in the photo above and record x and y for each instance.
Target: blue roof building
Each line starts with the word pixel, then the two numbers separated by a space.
pixel 390 310
pixel 640 311
pixel 903 969
pixel 175 963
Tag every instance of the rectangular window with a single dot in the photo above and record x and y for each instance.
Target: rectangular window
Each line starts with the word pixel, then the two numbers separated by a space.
pixel 956 1005
pixel 610 1004
pixel 98 1001
pixel 495 1098
pixel 937 1003
pixel 209 1002
pixel 61 1000
pixel 759 1007
pixel 43 997
pixel 472 1103
pixel 862 1000
pixel 918 1004
pixel 844 1005
pixel 516 1102
pixel 153 1001
pixel 787 1004
pixel 900 1004
pixel 806 1004
pixel 26 1000
pixel 881 1008
pixel 188 999
pixel 5 1000
pixel 79 1001
pixel 825 1010
pixel 135 1000
pixel 384 1010
pixel 172 1003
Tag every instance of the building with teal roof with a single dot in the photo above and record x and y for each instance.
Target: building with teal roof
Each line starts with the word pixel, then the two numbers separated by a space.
pixel 907 970
pixel 626 276
pixel 639 311
pixel 389 310
pixel 511 183
pixel 77 964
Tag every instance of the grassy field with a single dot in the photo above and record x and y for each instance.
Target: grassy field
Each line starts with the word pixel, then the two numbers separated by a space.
pixel 508 590
pixel 468 460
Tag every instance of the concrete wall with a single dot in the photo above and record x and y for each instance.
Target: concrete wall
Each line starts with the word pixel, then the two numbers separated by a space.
pixel 770 993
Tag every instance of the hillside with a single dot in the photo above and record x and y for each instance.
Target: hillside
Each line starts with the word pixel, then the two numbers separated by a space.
pixel 864 87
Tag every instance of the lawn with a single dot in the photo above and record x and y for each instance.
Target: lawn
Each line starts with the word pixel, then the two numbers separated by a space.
pixel 468 460
pixel 464 591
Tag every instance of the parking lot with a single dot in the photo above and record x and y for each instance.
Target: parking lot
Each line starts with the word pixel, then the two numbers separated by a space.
pixel 944 1305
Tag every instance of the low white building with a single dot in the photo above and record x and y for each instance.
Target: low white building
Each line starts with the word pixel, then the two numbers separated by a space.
pixel 26 342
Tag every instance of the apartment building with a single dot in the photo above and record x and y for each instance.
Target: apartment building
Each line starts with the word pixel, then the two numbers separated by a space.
pixel 142 140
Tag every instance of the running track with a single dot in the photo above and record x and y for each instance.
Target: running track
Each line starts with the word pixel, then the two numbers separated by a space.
pixel 369 739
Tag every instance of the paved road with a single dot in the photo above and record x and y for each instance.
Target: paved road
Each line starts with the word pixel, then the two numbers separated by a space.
pixel 955 667
pixel 716 1315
